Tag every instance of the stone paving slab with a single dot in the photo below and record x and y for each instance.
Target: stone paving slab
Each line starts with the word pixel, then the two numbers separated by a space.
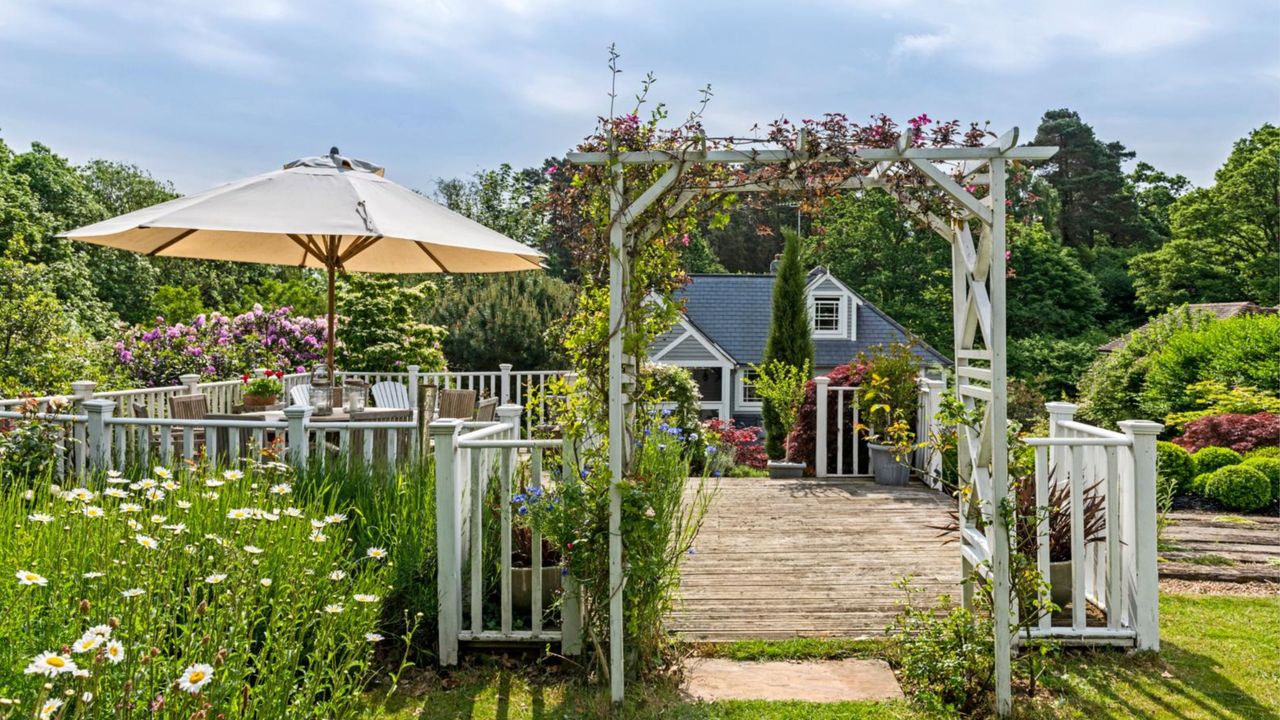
pixel 821 681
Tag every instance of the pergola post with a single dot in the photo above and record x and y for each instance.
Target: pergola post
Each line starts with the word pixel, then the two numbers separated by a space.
pixel 998 410
pixel 617 427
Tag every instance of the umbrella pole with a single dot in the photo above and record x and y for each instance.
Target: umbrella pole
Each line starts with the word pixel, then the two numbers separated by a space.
pixel 332 369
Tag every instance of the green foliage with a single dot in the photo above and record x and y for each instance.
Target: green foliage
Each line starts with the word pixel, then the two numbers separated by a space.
pixel 943 655
pixel 1175 468
pixel 891 374
pixel 511 202
pixel 507 317
pixel 1049 292
pixel 41 347
pixel 671 384
pixel 1263 452
pixel 1110 387
pixel 1224 236
pixel 1050 365
pixel 699 257
pixel 1214 398
pixel 29 447
pixel 1237 487
pixel 1269 466
pixel 1238 351
pixel 782 386
pixel 1211 458
pixel 378 329
pixel 304 294
pixel 180 303
pixel 865 242
pixel 790 340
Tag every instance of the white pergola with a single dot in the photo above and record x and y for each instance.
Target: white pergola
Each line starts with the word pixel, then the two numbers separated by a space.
pixel 978 302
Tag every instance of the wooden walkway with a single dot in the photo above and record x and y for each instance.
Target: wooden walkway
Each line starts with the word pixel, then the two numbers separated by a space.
pixel 811 558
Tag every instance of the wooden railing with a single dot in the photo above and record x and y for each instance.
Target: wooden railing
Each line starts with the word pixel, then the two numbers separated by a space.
pixel 468 457
pixel 845 421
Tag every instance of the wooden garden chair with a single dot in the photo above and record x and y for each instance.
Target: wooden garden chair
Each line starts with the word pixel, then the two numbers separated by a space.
pixel 390 394
pixel 457 404
pixel 300 395
pixel 404 436
pixel 487 410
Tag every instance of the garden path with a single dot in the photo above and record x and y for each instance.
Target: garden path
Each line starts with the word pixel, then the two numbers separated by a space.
pixel 812 558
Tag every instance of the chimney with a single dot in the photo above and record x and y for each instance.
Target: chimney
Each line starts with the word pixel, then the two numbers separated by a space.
pixel 773 266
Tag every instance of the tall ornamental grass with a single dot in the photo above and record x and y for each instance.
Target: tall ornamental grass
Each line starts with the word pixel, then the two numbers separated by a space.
pixel 185 594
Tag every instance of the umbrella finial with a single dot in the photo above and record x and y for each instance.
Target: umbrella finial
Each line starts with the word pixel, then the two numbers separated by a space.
pixel 334 150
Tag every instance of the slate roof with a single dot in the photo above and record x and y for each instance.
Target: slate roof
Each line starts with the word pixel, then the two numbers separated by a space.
pixel 734 312
pixel 1222 311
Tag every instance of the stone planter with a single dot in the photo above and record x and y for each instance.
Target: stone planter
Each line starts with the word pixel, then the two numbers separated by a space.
pixel 781 469
pixel 887 469
pixel 522 588
pixel 1060 577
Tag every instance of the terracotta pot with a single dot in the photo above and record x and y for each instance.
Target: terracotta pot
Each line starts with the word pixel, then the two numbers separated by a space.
pixel 259 400
pixel 522 587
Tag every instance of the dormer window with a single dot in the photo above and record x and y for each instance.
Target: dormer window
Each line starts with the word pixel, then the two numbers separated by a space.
pixel 826 315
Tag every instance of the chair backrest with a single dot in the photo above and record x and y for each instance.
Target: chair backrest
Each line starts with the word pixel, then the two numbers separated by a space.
pixel 457 404
pixel 188 407
pixel 138 409
pixel 383 415
pixel 487 409
pixel 390 394
pixel 301 394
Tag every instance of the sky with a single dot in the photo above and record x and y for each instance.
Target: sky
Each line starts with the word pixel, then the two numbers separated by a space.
pixel 204 91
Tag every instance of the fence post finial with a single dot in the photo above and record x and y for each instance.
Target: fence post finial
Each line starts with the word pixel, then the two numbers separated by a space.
pixel 192 381
pixel 510 414
pixel 506 382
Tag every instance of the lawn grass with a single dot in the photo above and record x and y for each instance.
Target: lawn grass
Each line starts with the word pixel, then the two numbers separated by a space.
pixel 1220 658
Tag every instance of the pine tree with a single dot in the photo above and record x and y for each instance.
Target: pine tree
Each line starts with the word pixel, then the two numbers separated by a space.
pixel 790 335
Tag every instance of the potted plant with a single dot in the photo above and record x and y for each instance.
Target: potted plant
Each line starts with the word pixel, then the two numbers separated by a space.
pixel 262 392
pixel 887 406
pixel 522 571
pixel 782 385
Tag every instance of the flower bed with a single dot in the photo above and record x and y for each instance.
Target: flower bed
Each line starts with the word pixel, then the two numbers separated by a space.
pixel 192 594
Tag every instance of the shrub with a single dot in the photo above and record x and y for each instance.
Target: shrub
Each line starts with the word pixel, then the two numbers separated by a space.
pixel 172 574
pixel 781 386
pixel 1198 484
pixel 1271 451
pixel 672 385
pixel 740 446
pixel 1238 487
pixel 804 438
pixel 1211 458
pixel 944 655
pixel 1241 433
pixel 1217 399
pixel 29 446
pixel 378 329
pixel 1268 466
pixel 1174 467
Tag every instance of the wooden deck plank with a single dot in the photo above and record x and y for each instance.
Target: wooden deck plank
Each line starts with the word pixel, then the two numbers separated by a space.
pixel 782 559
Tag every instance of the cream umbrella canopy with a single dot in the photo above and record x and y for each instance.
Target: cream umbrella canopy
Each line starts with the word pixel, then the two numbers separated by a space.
pixel 329 212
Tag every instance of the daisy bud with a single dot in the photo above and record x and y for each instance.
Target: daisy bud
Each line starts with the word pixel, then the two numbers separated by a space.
pixel 155 652
pixel 202 608
pixel 85 606
pixel 114 622
pixel 205 640
pixel 221 658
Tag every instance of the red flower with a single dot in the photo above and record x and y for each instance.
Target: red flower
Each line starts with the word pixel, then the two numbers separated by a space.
pixel 244 378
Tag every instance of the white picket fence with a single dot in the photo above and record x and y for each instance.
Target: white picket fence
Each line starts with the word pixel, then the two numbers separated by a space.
pixel 468 456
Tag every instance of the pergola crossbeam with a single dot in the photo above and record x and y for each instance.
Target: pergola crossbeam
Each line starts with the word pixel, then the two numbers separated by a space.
pixel 779 155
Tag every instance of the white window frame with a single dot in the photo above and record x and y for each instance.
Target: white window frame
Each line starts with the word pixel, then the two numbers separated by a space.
pixel 740 383
pixel 841 303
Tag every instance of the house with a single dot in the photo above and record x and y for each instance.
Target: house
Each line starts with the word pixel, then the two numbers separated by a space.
pixel 726 322
pixel 1221 311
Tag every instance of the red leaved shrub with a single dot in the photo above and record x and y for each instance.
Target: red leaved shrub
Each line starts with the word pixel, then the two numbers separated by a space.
pixel 803 440
pixel 1241 433
pixel 747 443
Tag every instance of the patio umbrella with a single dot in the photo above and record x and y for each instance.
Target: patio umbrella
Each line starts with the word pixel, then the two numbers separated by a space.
pixel 329 212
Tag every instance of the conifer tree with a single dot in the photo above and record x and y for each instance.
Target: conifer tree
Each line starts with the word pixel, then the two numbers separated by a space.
pixel 790 334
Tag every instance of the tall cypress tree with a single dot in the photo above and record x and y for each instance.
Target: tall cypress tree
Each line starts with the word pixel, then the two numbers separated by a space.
pixel 790 335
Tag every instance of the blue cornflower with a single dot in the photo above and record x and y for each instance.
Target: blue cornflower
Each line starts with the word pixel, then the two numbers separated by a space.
pixel 523 509
pixel 536 492
pixel 664 427
pixel 584 473
pixel 647 431
pixel 711 449
pixel 517 499
pixel 717 473
pixel 666 413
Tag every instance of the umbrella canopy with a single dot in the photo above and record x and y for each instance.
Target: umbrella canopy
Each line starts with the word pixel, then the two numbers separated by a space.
pixel 329 212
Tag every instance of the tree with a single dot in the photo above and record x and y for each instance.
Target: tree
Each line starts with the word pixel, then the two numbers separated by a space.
pixel 790 336
pixel 507 317
pixel 377 329
pixel 1097 203
pixel 1049 292
pixel 41 348
pixel 1226 238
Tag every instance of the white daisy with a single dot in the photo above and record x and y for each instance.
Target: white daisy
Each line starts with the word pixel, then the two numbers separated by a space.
pixel 40 518
pixel 163 473
pixel 155 494
pixel 131 592
pixel 365 598
pixel 130 507
pixel 253 549
pixel 92 511
pixel 117 480
pixel 147 541
pixel 265 582
pixel 232 475
pixel 115 492
pixel 113 474
pixel 239 514
pixel 51 665
pixel 93 575
pixel 210 495
pixel 334 519
pixel 265 515
pixel 184 505
pixel 26 577
pixel 133 524
pixel 143 484
pixel 374 637
pixel 376 553
pixel 88 643
pixel 333 608
pixel 293 512
pixel 101 631
pixel 114 651
pixel 281 489
pixel 337 575
pixel 169 485
pixel 213 483
pixel 83 494
pixel 215 578
pixel 158 519
pixel 177 529
pixel 317 536
pixel 49 708
pixel 195 677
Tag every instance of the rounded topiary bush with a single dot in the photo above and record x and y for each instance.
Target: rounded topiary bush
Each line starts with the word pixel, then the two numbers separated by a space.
pixel 1238 487
pixel 1174 468
pixel 1197 484
pixel 1269 466
pixel 1271 451
pixel 1211 458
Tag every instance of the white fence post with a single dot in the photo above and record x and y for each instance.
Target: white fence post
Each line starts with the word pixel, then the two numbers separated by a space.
pixel 506 382
pixel 192 381
pixel 444 437
pixel 933 391
pixel 820 426
pixel 98 437
pixel 83 390
pixel 1146 608
pixel 297 438
pixel 510 414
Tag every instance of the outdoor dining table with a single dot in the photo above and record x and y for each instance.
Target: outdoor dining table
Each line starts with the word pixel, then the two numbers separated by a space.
pixel 337 416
